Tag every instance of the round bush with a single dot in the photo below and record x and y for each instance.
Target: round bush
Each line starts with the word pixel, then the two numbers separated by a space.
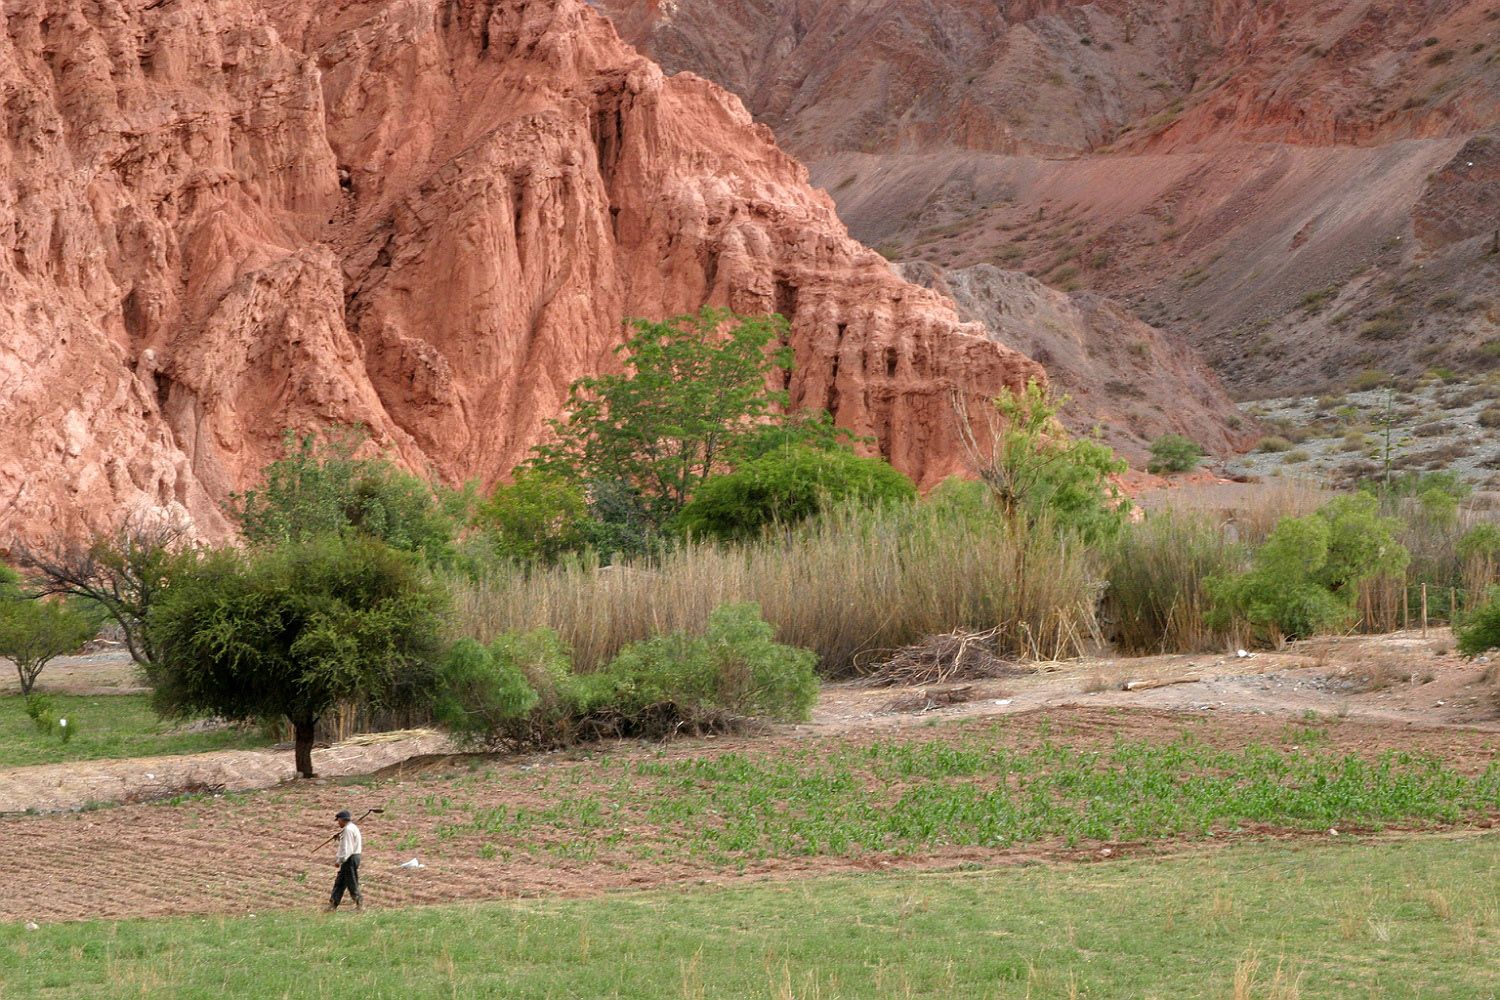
pixel 1174 453
pixel 789 485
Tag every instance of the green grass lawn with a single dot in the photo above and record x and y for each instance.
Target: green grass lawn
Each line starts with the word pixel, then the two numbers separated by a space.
pixel 115 725
pixel 1418 917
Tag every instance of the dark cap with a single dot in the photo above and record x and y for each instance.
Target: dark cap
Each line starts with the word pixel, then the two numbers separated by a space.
pixel 343 814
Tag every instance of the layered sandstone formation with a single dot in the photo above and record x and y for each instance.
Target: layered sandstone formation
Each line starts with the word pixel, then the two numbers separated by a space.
pixel 221 218
pixel 1262 179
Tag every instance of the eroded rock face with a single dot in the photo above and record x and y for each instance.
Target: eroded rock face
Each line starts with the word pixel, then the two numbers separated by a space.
pixel 224 218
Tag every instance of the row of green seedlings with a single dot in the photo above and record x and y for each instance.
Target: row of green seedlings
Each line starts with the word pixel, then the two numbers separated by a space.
pixel 733 809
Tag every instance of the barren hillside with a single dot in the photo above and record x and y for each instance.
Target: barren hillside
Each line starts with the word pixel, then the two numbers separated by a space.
pixel 1302 190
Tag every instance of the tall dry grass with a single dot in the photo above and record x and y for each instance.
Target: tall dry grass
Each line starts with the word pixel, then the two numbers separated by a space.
pixel 1158 599
pixel 1455 584
pixel 849 586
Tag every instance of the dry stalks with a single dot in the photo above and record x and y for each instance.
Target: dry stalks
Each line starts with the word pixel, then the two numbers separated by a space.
pixel 928 699
pixel 939 659
pixel 843 587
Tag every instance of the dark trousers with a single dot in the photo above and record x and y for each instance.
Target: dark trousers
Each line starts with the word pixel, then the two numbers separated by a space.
pixel 348 879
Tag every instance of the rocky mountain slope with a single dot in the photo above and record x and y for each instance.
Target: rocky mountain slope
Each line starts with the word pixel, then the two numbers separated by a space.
pixel 1305 190
pixel 1124 379
pixel 220 218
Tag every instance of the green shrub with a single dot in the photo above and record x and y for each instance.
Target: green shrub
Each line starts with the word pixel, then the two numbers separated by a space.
pixel 1305 579
pixel 787 486
pixel 1479 631
pixel 1279 595
pixel 735 669
pixel 1414 484
pixel 482 691
pixel 521 689
pixel 1489 417
pixel 1480 542
pixel 1174 453
pixel 42 711
pixel 1370 378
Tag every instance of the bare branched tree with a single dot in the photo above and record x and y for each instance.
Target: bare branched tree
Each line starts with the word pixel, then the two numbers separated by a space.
pixel 124 571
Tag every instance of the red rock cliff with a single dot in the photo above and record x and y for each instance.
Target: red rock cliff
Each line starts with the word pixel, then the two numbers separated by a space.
pixel 222 218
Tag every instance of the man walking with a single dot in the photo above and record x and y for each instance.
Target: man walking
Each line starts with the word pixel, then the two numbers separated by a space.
pixel 350 846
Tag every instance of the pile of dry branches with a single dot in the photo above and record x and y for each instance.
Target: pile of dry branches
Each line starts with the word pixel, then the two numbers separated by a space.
pixel 939 659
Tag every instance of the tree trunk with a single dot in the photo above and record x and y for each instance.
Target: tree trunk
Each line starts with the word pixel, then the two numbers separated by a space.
pixel 304 729
pixel 27 680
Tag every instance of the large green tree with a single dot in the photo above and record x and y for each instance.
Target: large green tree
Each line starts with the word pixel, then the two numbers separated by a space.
pixel 295 629
pixel 696 391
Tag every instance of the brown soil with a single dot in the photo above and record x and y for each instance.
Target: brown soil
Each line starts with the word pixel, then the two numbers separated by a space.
pixel 243 853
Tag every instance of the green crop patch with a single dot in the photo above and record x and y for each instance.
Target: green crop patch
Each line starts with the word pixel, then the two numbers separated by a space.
pixel 736 809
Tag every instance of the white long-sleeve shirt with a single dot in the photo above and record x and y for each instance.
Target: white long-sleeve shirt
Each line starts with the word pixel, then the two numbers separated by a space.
pixel 350 843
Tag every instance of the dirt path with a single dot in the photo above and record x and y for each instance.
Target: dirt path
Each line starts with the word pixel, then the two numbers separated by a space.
pixel 107 671
pixel 56 787
pixel 1401 677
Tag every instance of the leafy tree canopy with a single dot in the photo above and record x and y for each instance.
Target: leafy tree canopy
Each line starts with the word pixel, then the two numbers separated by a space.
pixel 538 517
pixel 695 395
pixel 295 629
pixel 319 487
pixel 786 486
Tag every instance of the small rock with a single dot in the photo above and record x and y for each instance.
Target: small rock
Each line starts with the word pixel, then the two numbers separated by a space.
pixel 32 925
pixel 1002 701
pixel 1332 832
